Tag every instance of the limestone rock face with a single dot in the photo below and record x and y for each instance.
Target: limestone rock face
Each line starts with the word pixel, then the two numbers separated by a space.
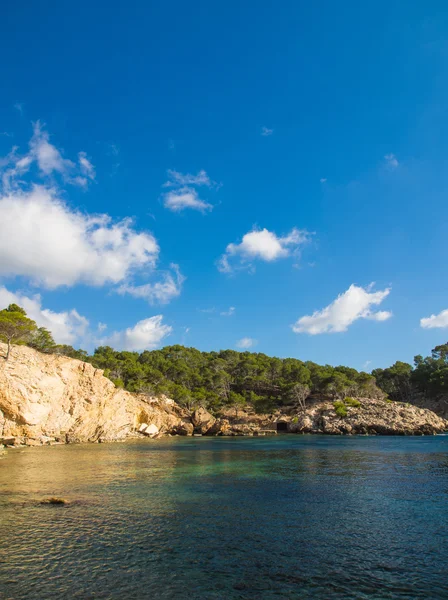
pixel 47 397
pixel 202 420
pixel 371 417
pixel 184 428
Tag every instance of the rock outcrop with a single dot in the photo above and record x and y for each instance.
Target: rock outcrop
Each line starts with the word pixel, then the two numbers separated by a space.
pixel 46 398
pixel 371 417
pixel 202 420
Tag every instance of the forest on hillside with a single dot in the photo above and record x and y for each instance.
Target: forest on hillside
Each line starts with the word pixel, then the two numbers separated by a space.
pixel 229 378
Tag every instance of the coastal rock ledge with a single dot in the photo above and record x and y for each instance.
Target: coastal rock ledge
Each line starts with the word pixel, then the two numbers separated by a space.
pixel 50 399
pixel 46 399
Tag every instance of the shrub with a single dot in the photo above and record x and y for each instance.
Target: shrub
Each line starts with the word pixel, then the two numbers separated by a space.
pixel 352 402
pixel 340 409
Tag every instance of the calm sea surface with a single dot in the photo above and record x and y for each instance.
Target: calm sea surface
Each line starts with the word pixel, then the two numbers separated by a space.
pixel 284 517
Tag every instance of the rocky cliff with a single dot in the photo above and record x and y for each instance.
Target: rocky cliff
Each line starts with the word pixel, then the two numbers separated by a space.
pixel 48 398
pixel 54 399
pixel 367 416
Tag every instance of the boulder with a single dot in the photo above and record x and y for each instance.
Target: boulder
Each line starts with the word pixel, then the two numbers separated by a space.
pixel 151 430
pixel 202 420
pixel 184 428
pixel 219 427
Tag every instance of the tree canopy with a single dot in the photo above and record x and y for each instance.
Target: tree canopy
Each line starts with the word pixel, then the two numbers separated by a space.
pixel 230 379
pixel 15 327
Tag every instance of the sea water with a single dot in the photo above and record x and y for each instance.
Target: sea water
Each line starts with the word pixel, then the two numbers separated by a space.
pixel 281 517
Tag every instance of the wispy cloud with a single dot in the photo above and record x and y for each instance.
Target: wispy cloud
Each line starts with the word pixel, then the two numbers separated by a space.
pixel 265 131
pixel 179 200
pixel 176 179
pixel 184 194
pixel 49 161
pixel 245 343
pixel 391 161
pixel 228 313
pixel 160 292
pixel 19 107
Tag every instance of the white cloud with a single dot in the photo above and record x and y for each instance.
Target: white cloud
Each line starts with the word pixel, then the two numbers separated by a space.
pixel 265 131
pixel 45 240
pixel 178 200
pixel 66 327
pixel 348 307
pixel 48 159
pixel 86 166
pixel 102 327
pixel 440 320
pixel 176 179
pixel 322 180
pixel 185 195
pixel 145 335
pixel 245 342
pixel 391 161
pixel 19 107
pixel 263 245
pixel 161 292
pixel 228 313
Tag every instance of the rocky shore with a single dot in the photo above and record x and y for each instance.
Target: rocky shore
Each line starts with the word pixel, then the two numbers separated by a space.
pixel 49 399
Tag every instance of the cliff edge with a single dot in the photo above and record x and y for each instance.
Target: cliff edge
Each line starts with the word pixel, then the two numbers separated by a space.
pixel 45 397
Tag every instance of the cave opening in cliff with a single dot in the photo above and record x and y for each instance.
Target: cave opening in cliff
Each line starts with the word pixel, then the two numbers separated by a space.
pixel 282 427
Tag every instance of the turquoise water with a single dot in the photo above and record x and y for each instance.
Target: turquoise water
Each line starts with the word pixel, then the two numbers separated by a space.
pixel 283 517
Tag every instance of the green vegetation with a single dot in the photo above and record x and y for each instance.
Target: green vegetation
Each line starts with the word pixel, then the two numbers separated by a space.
pixel 15 327
pixel 429 376
pixel 348 401
pixel 340 409
pixel 230 379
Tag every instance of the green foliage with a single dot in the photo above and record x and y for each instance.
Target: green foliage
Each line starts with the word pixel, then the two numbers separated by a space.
pixel 340 409
pixel 348 401
pixel 15 308
pixel 395 380
pixel 66 350
pixel 230 379
pixel 42 340
pixel 15 327
pixel 429 376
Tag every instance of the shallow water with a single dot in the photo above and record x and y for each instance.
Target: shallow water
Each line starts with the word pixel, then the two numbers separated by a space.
pixel 283 517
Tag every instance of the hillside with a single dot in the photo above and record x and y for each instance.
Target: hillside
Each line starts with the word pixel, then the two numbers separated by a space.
pixel 46 398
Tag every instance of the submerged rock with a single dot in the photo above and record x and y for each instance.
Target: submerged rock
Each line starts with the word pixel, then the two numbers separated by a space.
pixel 53 500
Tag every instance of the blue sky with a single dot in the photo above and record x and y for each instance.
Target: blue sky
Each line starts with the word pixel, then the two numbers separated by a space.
pixel 271 156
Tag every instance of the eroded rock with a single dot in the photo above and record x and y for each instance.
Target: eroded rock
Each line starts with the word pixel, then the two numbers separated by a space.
pixel 52 399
